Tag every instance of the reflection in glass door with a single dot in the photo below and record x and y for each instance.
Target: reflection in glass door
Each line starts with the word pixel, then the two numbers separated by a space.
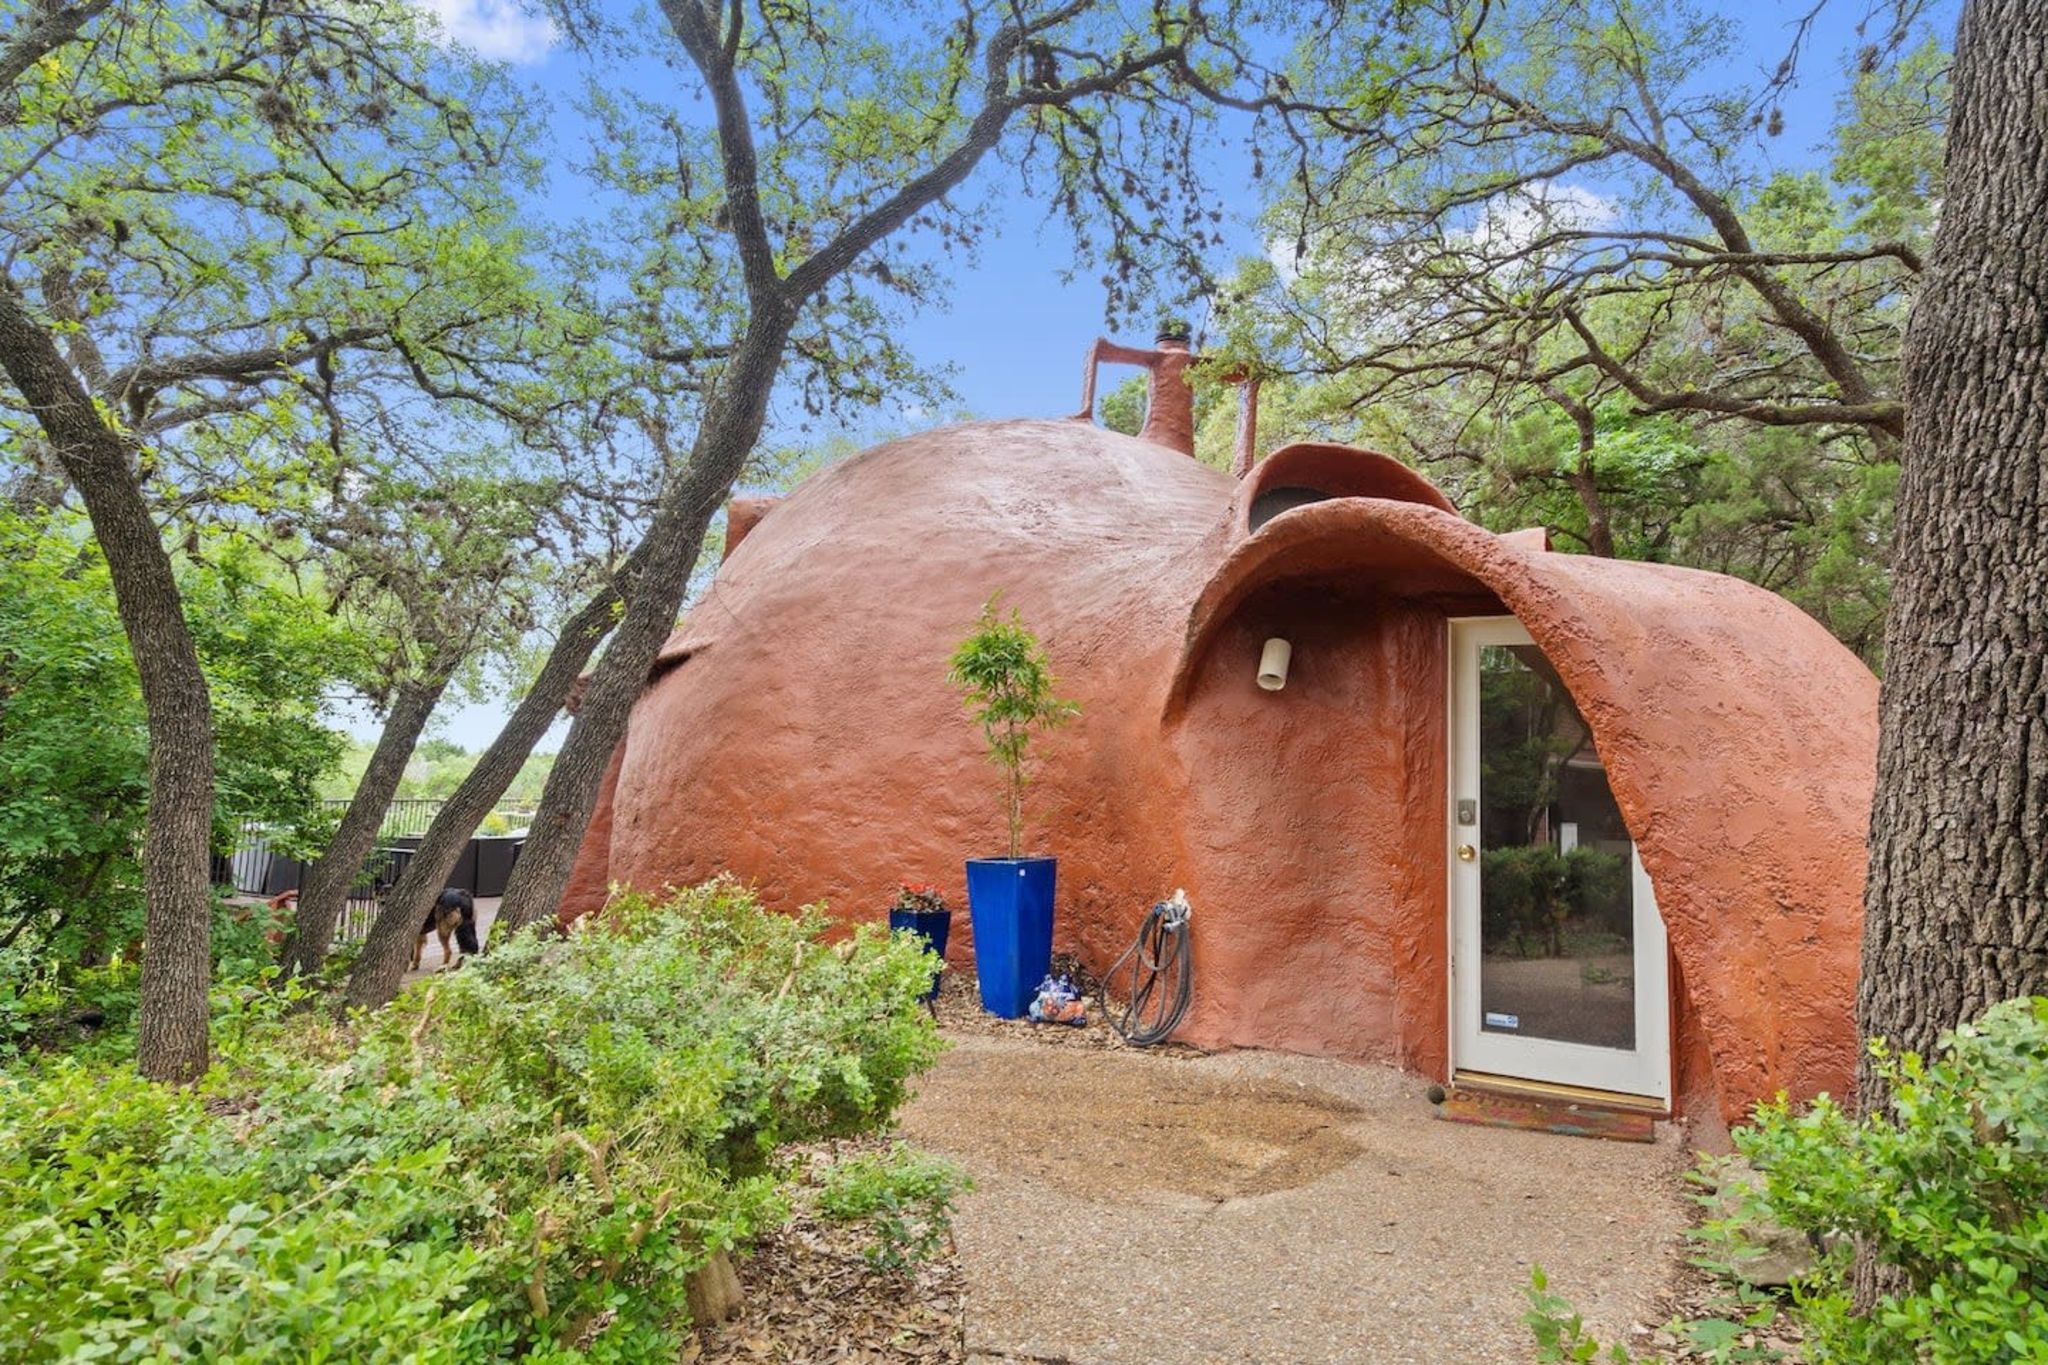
pixel 1558 954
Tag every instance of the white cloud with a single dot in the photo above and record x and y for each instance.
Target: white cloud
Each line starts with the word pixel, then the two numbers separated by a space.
pixel 497 30
pixel 1510 222
pixel 1285 263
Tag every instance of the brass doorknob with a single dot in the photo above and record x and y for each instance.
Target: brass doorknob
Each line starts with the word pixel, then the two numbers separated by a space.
pixel 1466 853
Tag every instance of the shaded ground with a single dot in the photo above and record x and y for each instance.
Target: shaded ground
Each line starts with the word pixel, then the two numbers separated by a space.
pixel 1257 1207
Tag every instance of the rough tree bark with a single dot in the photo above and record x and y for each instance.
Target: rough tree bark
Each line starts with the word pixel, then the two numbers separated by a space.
pixel 325 889
pixel 1584 477
pixel 1956 907
pixel 388 949
pixel 177 967
pixel 731 424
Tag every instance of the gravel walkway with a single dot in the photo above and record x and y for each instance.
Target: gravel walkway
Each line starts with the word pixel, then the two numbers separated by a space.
pixel 1258 1207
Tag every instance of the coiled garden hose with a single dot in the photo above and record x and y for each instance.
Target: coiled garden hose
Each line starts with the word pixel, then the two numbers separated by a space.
pixel 1162 976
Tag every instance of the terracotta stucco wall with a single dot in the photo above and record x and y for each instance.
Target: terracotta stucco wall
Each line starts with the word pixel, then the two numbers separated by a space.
pixel 1312 830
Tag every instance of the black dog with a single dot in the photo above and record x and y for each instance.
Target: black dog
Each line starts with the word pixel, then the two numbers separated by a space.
pixel 453 915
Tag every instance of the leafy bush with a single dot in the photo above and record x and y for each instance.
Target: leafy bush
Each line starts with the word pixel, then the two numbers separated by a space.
pixel 905 1195
pixel 27 992
pixel 526 1159
pixel 1950 1192
pixel 139 1223
pixel 1947 1193
pixel 44 1004
pixel 52 1003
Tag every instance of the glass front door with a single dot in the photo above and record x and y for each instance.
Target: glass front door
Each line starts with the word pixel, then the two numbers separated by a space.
pixel 1558 956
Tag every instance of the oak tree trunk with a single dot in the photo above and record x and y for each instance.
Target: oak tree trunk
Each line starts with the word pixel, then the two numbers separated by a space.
pixel 171 1043
pixel 1599 526
pixel 1956 907
pixel 326 886
pixel 732 424
pixel 713 1291
pixel 388 949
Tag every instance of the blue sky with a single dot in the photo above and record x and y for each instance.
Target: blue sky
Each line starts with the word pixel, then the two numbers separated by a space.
pixel 1015 331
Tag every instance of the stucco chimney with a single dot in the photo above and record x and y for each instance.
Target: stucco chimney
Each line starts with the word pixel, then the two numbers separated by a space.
pixel 1169 402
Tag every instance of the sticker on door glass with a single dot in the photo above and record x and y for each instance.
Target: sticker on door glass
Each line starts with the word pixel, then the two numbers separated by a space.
pixel 1494 1020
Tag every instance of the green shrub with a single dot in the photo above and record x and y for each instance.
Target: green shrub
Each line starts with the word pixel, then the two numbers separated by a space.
pixel 46 1004
pixel 135 1223
pixel 906 1196
pixel 52 1003
pixel 1947 1193
pixel 525 1159
pixel 1950 1191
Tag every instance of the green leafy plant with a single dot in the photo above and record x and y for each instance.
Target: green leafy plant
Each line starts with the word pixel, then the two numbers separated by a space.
pixel 1727 1336
pixel 906 1197
pixel 1002 669
pixel 528 1159
pixel 1559 1330
pixel 1947 1192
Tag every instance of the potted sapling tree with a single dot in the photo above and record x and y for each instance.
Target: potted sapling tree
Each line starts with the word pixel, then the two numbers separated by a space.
pixel 1002 670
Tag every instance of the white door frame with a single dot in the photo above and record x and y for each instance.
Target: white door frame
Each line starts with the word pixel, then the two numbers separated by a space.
pixel 1645 1071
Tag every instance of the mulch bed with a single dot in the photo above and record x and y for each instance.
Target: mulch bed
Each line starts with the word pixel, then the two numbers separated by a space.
pixel 811 1296
pixel 1698 1294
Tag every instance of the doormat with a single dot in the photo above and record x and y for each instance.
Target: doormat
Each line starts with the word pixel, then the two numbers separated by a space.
pixel 1545 1116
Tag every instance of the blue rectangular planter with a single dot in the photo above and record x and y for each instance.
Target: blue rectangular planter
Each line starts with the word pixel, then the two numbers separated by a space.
pixel 1010 900
pixel 934 927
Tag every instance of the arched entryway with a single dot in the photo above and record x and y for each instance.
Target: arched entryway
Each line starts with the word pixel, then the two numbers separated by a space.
pixel 1738 738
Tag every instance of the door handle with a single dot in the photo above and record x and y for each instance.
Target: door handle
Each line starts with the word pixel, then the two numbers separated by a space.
pixel 1466 853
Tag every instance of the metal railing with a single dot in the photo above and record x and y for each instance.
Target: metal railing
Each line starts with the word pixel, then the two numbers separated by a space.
pixel 256 867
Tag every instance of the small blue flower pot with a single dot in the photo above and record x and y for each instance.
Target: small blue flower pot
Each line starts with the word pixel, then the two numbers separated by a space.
pixel 934 927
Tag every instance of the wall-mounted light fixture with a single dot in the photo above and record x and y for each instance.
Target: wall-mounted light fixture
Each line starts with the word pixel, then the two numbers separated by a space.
pixel 1273 664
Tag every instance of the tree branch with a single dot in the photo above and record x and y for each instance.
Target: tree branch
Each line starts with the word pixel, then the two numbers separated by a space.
pixel 58 24
pixel 741 168
pixel 234 365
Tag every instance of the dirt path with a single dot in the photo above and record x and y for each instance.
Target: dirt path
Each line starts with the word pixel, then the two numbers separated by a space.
pixel 1256 1207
